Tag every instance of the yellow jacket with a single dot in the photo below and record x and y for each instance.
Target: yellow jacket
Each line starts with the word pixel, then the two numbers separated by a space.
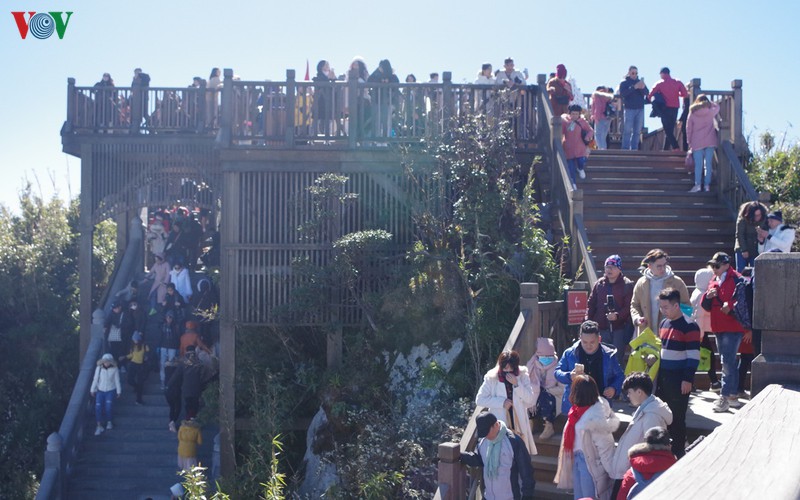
pixel 189 436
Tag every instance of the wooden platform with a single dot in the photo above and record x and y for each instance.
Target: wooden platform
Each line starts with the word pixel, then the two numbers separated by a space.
pixel 752 455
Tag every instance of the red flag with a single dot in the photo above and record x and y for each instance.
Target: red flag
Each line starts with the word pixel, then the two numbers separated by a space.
pixel 308 76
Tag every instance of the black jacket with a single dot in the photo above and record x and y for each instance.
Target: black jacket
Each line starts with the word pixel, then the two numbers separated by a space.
pixel 632 98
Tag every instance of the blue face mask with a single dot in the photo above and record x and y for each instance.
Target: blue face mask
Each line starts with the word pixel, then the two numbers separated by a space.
pixel 546 360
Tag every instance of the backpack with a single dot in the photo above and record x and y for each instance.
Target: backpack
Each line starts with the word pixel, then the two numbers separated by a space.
pixel 610 111
pixel 741 309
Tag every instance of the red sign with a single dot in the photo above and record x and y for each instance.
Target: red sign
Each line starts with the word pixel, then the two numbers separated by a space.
pixel 577 300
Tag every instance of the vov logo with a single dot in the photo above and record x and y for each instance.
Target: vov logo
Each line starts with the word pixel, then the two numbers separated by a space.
pixel 42 25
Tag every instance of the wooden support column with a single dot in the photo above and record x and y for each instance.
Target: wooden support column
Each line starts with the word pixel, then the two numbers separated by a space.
pixel 291 106
pixel 737 130
pixel 529 306
pixel 86 228
pixel 776 314
pixel 452 477
pixel 448 103
pixel 68 124
pixel 229 238
pixel 694 89
pixel 226 117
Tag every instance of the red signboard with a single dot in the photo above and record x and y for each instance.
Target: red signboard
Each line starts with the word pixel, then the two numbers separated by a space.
pixel 577 300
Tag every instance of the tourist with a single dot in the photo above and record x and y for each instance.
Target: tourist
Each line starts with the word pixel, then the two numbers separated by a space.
pixel 193 378
pixel 671 90
pixel 190 337
pixel 179 276
pixel 104 385
pixel 587 444
pixel 212 97
pixel 656 276
pixel 633 92
pixel 752 215
pixel 602 99
pixel 323 98
pixel 105 103
pixel 137 370
pixel 168 344
pixel 779 237
pixel 113 328
pixel 680 355
pixel 541 368
pixel 575 136
pixel 507 470
pixel 384 98
pixel 703 319
pixel 720 300
pixel 648 461
pixel 510 77
pixel 507 392
pixel 190 436
pixel 159 273
pixel 650 412
pixel 747 347
pixel 560 91
pixel 588 355
pixel 702 138
pixel 609 305
pixel 485 77
pixel 360 109
pixel 140 97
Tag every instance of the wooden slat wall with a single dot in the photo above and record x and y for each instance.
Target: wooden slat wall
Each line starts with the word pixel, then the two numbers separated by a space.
pixel 273 205
pixel 130 175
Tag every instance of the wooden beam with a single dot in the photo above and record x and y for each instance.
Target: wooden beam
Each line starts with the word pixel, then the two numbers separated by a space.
pixel 86 227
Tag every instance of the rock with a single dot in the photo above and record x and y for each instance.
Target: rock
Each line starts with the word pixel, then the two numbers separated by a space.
pixel 319 474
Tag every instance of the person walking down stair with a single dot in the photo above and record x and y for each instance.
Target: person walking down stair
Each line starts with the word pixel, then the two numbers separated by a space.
pixel 671 90
pixel 656 276
pixel 137 369
pixel 189 437
pixel 576 133
pixel 105 385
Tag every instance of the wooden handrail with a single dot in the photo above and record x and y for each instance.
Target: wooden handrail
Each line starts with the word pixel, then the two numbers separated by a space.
pixel 734 186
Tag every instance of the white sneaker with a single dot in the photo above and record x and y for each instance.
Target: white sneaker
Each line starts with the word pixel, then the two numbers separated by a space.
pixel 695 189
pixel 733 402
pixel 109 425
pixel 582 174
pixel 547 432
pixel 707 189
pixel 721 405
pixel 99 430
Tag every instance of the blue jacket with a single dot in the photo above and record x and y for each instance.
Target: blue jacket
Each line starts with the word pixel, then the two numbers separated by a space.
pixel 612 372
pixel 632 98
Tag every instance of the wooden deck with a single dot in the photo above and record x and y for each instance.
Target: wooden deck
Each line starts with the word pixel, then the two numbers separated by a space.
pixel 763 435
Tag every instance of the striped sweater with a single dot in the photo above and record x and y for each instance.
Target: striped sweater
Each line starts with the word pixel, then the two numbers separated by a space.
pixel 680 346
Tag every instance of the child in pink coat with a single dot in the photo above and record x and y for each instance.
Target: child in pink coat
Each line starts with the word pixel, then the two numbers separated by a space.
pixel 541 367
pixel 702 137
pixel 576 134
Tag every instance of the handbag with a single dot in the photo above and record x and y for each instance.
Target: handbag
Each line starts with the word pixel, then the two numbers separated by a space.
pixel 688 162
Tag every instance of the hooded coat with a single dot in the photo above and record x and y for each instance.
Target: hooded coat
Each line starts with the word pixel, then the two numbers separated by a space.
pixel 106 379
pixel 647 460
pixel 597 426
pixel 700 131
pixel 641 304
pixel 492 395
pixel 651 413
pixel 189 436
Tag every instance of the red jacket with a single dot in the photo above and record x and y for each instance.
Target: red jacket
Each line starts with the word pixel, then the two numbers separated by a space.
pixel 672 90
pixel 574 147
pixel 647 460
pixel 721 322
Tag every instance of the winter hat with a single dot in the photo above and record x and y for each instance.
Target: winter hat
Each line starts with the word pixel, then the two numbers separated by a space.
pixel 702 278
pixel 561 71
pixel 108 357
pixel 177 490
pixel 777 215
pixel 614 260
pixel 136 337
pixel 484 422
pixel 545 347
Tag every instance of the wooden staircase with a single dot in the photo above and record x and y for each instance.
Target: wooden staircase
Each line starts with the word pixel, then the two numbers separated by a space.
pixel 635 201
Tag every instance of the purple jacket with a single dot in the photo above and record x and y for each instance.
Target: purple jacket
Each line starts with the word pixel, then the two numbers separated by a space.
pixel 700 130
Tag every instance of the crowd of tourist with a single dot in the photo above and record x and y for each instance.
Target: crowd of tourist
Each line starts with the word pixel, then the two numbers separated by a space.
pixel 659 333
pixel 174 336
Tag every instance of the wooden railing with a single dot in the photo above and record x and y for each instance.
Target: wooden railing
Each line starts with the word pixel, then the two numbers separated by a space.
pixel 733 184
pixel 536 319
pixel 567 199
pixel 62 446
pixel 291 114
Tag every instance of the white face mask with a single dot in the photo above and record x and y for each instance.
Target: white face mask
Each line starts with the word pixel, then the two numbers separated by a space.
pixel 546 360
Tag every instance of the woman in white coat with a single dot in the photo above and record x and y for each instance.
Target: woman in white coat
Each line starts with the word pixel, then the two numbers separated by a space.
pixel 507 392
pixel 587 444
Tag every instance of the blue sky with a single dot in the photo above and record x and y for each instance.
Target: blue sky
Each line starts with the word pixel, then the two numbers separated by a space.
pixel 176 40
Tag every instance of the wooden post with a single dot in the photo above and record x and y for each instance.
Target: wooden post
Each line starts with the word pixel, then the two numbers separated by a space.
pixel 776 314
pixel 529 306
pixel 200 107
pixel 229 238
pixel 86 225
pixel 737 131
pixel 68 123
pixel 226 118
pixel 291 106
pixel 447 100
pixel 555 171
pixel 694 89
pixel 353 122
pixel 576 208
pixel 53 460
pixel 451 474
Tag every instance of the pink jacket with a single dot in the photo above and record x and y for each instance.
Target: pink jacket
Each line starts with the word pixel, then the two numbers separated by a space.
pixel 700 130
pixel 672 90
pixel 599 101
pixel 574 147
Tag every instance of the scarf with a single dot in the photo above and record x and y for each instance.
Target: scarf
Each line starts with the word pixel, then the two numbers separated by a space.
pixel 575 414
pixel 493 451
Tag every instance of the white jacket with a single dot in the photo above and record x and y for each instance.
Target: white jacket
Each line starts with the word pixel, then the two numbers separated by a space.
pixel 106 379
pixel 492 395
pixel 597 425
pixel 182 283
pixel 652 412
pixel 780 238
